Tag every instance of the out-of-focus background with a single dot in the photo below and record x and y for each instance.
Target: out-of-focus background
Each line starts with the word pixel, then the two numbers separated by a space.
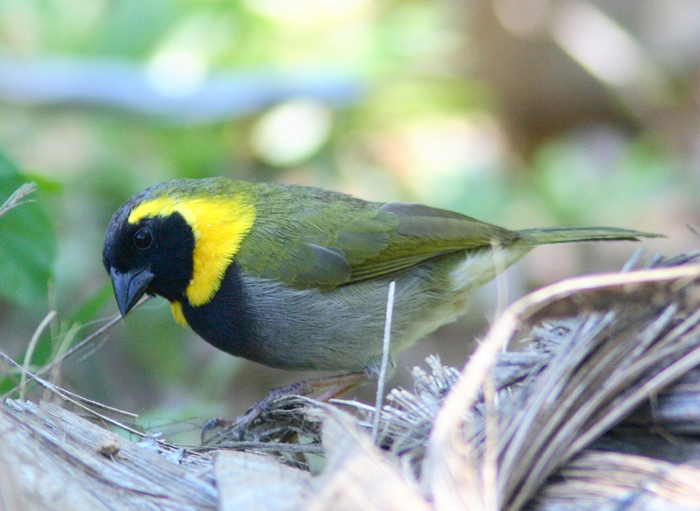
pixel 522 113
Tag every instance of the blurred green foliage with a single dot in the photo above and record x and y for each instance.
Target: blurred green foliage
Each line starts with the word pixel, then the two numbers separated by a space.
pixel 614 185
pixel 27 242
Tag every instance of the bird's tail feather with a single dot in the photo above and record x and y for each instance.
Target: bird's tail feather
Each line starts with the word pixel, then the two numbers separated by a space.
pixel 572 234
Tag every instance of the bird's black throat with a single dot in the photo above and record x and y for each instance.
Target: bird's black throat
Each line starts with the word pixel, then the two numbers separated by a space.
pixel 226 321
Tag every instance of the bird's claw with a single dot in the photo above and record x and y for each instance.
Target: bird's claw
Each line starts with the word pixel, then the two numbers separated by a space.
pixel 243 422
pixel 334 386
pixel 215 423
pixel 257 410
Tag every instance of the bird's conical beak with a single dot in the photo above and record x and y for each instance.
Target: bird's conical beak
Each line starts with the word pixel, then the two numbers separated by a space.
pixel 129 287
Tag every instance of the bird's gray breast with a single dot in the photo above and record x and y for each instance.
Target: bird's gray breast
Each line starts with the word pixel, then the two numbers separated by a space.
pixel 338 329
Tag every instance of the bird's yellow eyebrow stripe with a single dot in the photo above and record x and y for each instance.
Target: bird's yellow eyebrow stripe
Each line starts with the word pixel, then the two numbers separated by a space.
pixel 219 224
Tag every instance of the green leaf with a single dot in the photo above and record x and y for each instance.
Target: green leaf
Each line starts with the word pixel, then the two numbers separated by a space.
pixel 27 242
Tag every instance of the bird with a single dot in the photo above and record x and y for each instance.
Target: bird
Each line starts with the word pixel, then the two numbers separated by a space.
pixel 296 277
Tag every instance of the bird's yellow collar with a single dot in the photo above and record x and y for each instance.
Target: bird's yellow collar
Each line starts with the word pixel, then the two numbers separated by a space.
pixel 219 225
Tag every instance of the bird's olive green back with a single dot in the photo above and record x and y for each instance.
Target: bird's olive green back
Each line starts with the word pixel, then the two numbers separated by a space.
pixel 307 237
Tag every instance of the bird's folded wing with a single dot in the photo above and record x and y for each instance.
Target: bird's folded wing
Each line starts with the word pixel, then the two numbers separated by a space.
pixel 330 246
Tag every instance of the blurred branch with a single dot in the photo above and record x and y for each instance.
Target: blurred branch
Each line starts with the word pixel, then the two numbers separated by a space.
pixel 123 84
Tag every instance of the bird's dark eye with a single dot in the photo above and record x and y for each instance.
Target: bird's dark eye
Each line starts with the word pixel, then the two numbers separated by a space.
pixel 143 238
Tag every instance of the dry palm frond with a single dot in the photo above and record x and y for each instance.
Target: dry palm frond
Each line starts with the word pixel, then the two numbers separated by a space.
pixel 635 334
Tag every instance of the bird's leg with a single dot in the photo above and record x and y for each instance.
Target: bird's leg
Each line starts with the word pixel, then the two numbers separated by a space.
pixel 331 386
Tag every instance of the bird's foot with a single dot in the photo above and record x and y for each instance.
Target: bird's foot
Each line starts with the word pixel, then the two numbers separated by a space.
pixel 330 387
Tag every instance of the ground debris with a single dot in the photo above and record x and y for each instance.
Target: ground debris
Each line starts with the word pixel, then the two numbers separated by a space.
pixel 597 407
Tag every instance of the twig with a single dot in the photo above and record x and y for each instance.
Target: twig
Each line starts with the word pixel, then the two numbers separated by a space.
pixel 66 397
pixel 80 345
pixel 67 340
pixel 353 404
pixel 263 446
pixel 68 353
pixel 89 339
pixel 30 351
pixel 15 199
pixel 386 353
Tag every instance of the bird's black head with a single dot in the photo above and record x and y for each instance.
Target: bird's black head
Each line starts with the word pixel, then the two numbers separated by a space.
pixel 152 255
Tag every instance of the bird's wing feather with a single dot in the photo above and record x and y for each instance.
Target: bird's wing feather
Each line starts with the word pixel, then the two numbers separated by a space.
pixel 423 233
pixel 329 243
